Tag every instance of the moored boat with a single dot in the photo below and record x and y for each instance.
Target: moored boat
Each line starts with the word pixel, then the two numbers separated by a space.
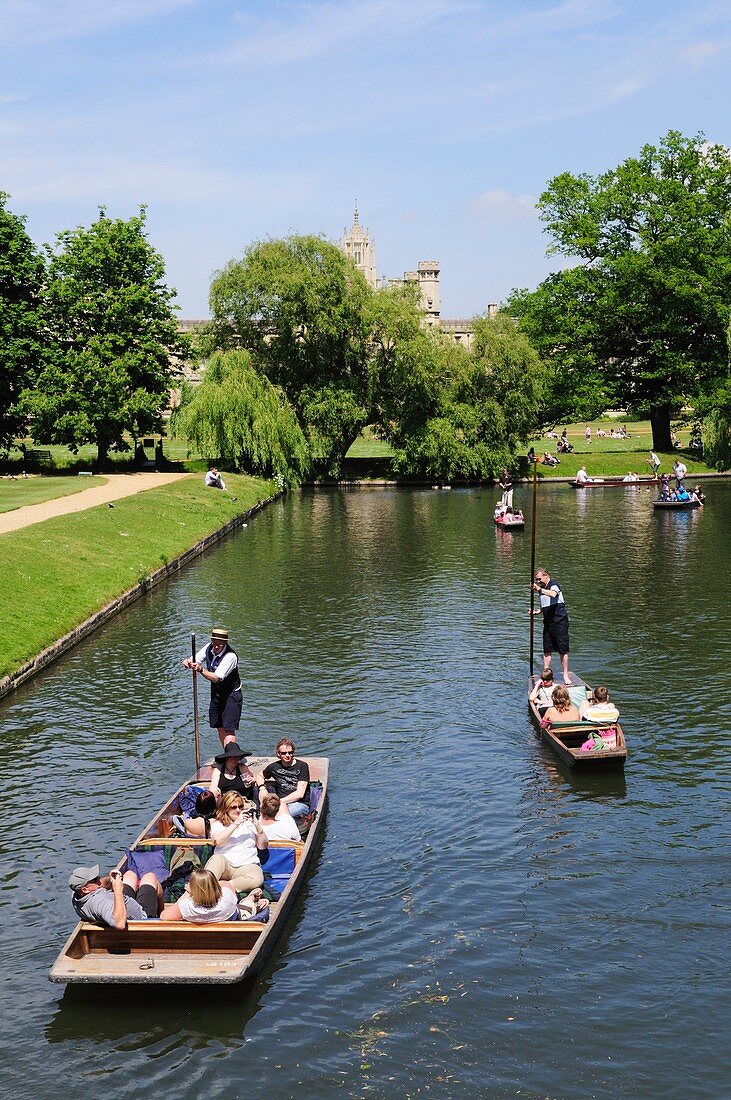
pixel 566 738
pixel 613 483
pixel 160 952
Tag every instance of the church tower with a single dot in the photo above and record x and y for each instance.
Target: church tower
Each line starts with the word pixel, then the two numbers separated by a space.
pixel 361 247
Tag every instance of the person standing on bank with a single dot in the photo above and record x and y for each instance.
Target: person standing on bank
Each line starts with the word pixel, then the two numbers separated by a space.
pixel 218 664
pixel 555 621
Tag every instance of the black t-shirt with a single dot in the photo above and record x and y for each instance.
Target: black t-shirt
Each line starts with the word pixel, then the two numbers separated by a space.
pixel 285 777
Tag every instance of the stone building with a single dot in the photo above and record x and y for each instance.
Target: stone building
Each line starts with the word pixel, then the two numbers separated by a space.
pixel 358 244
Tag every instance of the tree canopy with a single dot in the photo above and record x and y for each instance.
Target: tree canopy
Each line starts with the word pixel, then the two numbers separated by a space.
pixel 22 273
pixel 466 413
pixel 237 416
pixel 642 319
pixel 112 330
pixel 302 309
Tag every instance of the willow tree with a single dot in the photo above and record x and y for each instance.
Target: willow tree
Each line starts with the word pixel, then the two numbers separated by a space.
pixel 463 414
pixel 237 416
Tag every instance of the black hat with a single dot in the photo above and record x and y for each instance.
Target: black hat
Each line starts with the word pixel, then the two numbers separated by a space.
pixel 232 752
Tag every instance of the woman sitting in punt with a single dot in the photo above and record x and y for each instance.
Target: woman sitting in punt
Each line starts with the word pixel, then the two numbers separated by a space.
pixel 206 900
pixel 542 693
pixel 231 773
pixel 562 710
pixel 239 838
pixel 600 708
pixel 205 808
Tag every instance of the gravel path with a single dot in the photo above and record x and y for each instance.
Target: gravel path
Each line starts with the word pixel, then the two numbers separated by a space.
pixel 118 486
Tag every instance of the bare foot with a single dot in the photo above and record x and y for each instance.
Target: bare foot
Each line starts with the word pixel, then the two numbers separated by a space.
pixel 567 681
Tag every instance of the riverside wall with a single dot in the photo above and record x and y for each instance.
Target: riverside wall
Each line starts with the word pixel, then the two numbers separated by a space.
pixel 14 679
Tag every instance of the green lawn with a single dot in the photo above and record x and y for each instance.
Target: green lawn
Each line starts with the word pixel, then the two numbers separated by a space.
pixel 55 574
pixel 36 490
pixel 612 456
pixel 368 446
pixel 601 457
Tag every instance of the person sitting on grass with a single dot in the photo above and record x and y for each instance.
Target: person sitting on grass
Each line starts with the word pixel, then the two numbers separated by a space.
pixel 599 708
pixel 562 710
pixel 549 459
pixel 214 479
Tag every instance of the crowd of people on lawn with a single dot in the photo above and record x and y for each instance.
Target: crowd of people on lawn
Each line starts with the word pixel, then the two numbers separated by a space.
pixel 238 813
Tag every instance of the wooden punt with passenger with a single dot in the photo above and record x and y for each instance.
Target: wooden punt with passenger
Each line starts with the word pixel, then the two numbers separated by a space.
pixel 160 952
pixel 566 738
pixel 677 505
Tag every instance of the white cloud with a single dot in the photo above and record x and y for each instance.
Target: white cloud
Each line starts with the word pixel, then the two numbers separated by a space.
pixel 26 21
pixel 331 26
pixel 107 179
pixel 700 52
pixel 499 205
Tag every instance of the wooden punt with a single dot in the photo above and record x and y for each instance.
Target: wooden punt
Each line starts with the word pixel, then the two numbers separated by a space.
pixel 677 505
pixel 509 523
pixel 566 739
pixel 163 952
pixel 613 483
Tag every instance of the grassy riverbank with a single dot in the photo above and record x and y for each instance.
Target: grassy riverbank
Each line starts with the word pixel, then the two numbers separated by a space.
pixel 37 490
pixel 55 574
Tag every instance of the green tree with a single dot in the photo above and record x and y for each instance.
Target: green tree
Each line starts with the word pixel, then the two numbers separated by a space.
pixel 22 273
pixel 113 330
pixel 302 309
pixel 464 414
pixel 238 416
pixel 644 314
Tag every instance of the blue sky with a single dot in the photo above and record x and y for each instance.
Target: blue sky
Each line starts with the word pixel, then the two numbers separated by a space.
pixel 444 118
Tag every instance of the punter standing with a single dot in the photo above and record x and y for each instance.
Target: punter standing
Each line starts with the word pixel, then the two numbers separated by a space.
pixel 555 621
pixel 218 664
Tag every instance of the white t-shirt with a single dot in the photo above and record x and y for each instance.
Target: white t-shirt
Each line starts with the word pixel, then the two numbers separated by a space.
pixel 240 848
pixel 224 909
pixel 284 828
pixel 582 476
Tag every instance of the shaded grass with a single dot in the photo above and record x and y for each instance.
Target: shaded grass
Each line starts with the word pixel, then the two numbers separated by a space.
pixel 62 458
pixel 57 573
pixel 36 490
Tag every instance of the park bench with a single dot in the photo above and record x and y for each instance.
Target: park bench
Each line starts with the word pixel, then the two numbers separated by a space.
pixel 38 457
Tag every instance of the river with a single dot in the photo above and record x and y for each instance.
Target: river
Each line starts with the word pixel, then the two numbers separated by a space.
pixel 479 922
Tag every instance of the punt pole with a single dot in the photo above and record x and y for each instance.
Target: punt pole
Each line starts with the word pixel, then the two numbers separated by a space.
pixel 195 710
pixel 533 559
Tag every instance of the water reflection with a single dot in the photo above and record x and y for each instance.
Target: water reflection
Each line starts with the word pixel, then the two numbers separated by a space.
pixel 472 895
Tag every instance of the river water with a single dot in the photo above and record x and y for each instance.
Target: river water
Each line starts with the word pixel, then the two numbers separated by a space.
pixel 479 922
